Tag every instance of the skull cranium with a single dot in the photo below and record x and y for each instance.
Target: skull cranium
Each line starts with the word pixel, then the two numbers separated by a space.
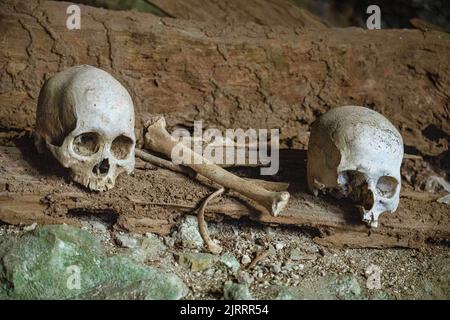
pixel 85 118
pixel 355 152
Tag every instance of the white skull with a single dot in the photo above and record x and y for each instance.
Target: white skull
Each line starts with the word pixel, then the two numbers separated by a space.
pixel 85 118
pixel 355 152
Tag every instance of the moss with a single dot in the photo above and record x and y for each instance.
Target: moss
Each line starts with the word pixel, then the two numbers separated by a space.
pixel 44 264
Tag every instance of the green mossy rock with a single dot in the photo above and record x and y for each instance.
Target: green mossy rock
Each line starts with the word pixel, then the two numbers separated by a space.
pixel 64 262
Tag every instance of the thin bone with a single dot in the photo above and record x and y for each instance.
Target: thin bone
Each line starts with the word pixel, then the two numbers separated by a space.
pixel 166 164
pixel 163 163
pixel 159 140
pixel 412 156
pixel 210 245
pixel 259 256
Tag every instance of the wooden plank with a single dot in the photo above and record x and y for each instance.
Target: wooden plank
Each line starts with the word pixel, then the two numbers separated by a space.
pixel 151 200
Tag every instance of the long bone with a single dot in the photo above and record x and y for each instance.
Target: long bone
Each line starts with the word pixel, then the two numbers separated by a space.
pixel 169 165
pixel 159 140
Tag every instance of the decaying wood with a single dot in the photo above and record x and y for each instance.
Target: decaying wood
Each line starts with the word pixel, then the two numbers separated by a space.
pixel 32 190
pixel 233 76
pixel 261 12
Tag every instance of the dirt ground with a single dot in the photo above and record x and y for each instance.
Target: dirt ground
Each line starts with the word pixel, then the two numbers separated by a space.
pixel 405 273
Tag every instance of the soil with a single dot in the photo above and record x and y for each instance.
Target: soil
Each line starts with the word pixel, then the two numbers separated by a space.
pixel 405 273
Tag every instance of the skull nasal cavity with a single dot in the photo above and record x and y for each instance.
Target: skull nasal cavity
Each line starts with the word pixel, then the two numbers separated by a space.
pixel 102 167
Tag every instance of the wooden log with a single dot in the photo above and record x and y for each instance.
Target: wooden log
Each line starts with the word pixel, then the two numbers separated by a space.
pixel 152 200
pixel 259 12
pixel 234 75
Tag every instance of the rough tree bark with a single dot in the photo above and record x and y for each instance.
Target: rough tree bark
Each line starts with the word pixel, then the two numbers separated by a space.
pixel 234 75
pixel 231 12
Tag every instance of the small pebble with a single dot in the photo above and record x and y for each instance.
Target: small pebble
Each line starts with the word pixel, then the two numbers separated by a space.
pixel 31 227
pixel 276 268
pixel 98 226
pixel 246 259
pixel 244 278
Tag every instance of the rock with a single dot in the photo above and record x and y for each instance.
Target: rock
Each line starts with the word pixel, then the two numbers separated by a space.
pixel 169 241
pixel 279 246
pixel 270 231
pixel 444 199
pixel 381 295
pixel 308 247
pixel 64 262
pixel 147 248
pixel 236 291
pixel 235 230
pixel 98 226
pixel 246 259
pixel 230 261
pixel 347 288
pixel 283 293
pixel 31 227
pixel 188 233
pixel 209 272
pixel 126 240
pixel 436 184
pixel 244 277
pixel 196 261
pixel 199 261
pixel 276 268
pixel 297 255
pixel 152 246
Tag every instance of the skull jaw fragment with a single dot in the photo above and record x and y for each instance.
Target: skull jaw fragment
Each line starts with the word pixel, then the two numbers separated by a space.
pixel 356 153
pixel 85 119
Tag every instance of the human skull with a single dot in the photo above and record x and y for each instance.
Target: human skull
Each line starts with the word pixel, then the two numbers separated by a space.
pixel 85 118
pixel 355 152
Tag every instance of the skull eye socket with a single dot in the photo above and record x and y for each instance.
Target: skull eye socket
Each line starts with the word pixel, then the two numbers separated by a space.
pixel 86 144
pixel 121 147
pixel 387 186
